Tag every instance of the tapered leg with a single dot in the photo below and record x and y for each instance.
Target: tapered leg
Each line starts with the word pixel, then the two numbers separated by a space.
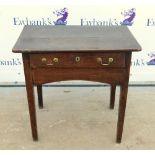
pixel 123 99
pixel 30 96
pixel 112 96
pixel 121 112
pixel 40 96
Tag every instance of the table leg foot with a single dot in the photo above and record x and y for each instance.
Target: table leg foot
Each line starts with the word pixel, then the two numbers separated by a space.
pixel 35 138
pixel 118 140
pixel 34 132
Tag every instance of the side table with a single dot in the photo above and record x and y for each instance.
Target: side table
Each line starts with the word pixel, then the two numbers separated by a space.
pixel 59 53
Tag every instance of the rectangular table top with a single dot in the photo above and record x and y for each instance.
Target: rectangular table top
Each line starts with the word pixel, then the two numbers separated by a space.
pixel 76 39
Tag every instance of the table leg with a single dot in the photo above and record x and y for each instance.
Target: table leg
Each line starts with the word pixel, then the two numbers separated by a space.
pixel 112 96
pixel 30 96
pixel 121 113
pixel 40 96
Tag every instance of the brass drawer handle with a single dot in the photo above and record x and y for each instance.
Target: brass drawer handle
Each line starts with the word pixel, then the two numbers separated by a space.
pixel 110 60
pixel 55 60
pixel 50 64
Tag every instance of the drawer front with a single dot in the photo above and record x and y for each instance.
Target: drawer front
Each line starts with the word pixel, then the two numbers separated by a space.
pixel 81 60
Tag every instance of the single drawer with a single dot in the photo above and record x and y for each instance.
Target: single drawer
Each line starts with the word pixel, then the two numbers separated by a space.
pixel 81 60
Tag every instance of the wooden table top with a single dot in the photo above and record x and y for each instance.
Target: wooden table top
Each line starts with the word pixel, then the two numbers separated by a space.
pixel 76 39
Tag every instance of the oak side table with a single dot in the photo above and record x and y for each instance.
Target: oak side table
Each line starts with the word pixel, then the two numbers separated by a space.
pixel 59 53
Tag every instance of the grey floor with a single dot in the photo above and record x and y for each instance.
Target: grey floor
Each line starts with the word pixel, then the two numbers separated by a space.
pixel 77 118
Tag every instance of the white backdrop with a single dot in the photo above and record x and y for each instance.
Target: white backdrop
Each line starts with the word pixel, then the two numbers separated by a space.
pixel 142 25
